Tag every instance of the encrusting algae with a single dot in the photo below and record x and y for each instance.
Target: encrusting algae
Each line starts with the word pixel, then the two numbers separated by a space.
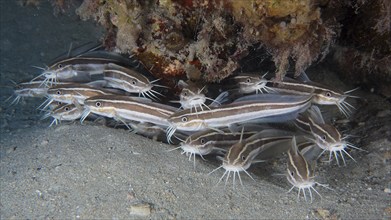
pixel 207 40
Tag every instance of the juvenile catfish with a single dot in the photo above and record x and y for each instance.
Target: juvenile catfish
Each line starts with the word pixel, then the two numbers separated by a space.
pixel 241 155
pixel 129 80
pixel 125 108
pixel 300 173
pixel 324 135
pixel 237 112
pixel 211 141
pixel 83 68
pixel 321 94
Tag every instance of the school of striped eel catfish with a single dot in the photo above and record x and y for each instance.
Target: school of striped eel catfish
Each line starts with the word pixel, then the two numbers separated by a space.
pixel 252 118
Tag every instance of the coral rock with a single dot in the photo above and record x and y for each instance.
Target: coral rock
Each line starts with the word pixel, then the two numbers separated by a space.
pixel 170 36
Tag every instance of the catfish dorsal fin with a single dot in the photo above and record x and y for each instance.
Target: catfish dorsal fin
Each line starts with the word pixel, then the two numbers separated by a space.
pixel 216 129
pixel 182 84
pixel 294 145
pixel 241 135
pixel 303 77
pixel 316 115
pixel 70 50
pixel 77 104
pixel 223 97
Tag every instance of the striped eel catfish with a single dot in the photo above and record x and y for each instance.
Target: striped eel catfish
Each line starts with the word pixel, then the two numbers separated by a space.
pixel 193 96
pixel 84 68
pixel 237 112
pixel 28 89
pixel 247 83
pixel 129 80
pixel 65 112
pixel 321 94
pixel 69 93
pixel 325 136
pixel 242 154
pixel 209 141
pixel 300 173
pixel 124 108
pixel 148 130
pixel 252 83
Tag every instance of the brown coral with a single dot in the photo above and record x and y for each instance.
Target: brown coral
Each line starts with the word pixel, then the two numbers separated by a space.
pixel 289 29
pixel 172 37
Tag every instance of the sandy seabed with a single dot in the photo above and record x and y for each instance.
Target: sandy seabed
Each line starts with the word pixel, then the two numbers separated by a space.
pixel 91 171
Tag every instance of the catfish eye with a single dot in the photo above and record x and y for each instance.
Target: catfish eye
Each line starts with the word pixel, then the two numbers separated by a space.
pixel 185 93
pixel 58 92
pixel 59 65
pixel 184 119
pixel 243 157
pixel 324 137
pixel 248 80
pixel 291 173
pixel 328 94
pixel 202 141
pixel 98 104
pixel 66 109
pixel 134 82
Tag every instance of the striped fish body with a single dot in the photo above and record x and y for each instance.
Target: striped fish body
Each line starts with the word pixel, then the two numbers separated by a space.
pixel 241 155
pixel 76 69
pixel 67 112
pixel 300 173
pixel 130 108
pixel 31 89
pixel 250 83
pixel 191 95
pixel 68 93
pixel 207 141
pixel 326 136
pixel 64 112
pixel 126 79
pixel 237 112
pixel 149 130
pixel 321 94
